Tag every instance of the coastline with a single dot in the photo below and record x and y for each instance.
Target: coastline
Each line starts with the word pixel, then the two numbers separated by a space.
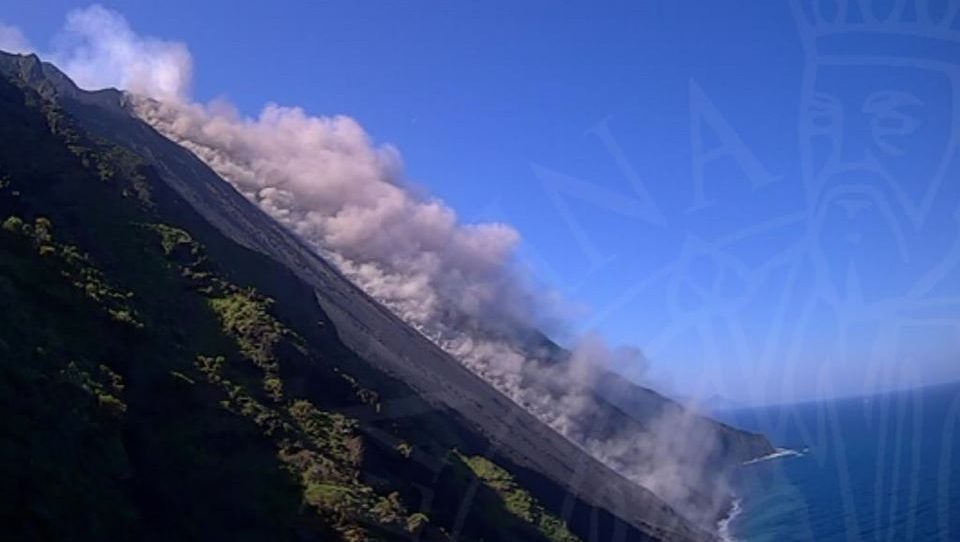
pixel 734 507
pixel 726 520
pixel 777 454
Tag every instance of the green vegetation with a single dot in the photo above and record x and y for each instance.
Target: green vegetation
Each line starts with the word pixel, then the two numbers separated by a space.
pixel 74 267
pixel 518 501
pixel 405 449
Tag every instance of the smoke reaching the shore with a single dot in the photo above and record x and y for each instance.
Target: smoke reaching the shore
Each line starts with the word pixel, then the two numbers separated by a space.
pixel 325 179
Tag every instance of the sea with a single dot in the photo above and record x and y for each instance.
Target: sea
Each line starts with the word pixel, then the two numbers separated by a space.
pixel 879 468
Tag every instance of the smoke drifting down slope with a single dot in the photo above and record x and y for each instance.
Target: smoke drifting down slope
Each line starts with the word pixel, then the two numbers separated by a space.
pixel 324 179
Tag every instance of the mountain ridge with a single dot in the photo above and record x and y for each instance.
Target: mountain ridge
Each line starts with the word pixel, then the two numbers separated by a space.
pixel 82 204
pixel 363 325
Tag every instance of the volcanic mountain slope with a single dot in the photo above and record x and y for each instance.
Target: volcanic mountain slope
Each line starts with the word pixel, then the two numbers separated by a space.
pixel 703 457
pixel 222 379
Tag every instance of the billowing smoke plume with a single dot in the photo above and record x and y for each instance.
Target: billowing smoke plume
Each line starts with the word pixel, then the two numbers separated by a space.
pixel 12 40
pixel 326 180
pixel 97 48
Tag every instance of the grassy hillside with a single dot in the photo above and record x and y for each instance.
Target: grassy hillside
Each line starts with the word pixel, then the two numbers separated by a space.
pixel 160 382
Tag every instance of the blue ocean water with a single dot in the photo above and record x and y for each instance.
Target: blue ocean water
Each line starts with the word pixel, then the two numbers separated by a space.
pixel 881 468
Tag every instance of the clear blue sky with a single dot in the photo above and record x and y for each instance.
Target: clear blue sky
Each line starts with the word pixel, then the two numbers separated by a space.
pixel 589 128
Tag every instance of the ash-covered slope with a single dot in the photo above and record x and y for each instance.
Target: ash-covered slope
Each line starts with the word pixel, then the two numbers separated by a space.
pixel 683 456
pixel 624 401
pixel 381 339
pixel 171 383
pixel 345 197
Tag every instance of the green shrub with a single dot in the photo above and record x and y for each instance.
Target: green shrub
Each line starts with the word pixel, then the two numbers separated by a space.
pixel 405 449
pixel 389 509
pixel 416 523
pixel 13 224
pixel 274 387
pixel 517 500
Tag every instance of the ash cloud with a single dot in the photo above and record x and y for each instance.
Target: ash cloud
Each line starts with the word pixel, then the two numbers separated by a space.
pixel 97 48
pixel 12 40
pixel 325 179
